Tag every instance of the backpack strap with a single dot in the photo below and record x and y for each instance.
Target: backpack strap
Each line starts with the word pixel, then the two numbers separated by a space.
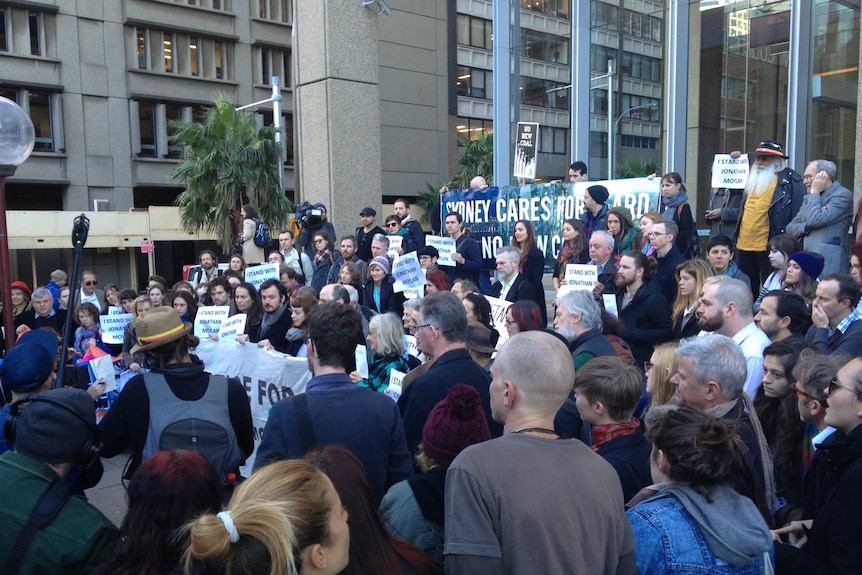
pixel 304 427
pixel 46 510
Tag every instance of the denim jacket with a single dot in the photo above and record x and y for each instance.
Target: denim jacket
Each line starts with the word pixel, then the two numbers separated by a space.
pixel 669 542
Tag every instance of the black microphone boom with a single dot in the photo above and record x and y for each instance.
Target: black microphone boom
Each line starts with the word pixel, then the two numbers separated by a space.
pixel 80 229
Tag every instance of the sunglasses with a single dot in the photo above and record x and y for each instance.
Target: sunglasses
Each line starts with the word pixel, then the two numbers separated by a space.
pixel 391 225
pixel 91 283
pixel 801 393
pixel 834 383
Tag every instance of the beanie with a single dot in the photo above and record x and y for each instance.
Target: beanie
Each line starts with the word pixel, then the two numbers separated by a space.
pixel 27 366
pixel 51 434
pixel 382 262
pixel 599 194
pixel 810 263
pixel 455 423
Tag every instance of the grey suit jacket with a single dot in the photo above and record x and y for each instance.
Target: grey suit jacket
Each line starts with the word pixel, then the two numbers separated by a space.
pixel 822 223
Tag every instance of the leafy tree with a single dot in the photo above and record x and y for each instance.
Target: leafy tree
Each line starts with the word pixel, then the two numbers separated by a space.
pixel 228 162
pixel 637 169
pixel 475 159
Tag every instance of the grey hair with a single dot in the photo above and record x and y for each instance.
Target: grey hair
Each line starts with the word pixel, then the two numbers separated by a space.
pixel 827 166
pixel 390 333
pixel 729 290
pixel 354 295
pixel 582 302
pixel 609 239
pixel 511 251
pixel 445 311
pixel 717 358
pixel 40 292
pixel 381 238
pixel 412 304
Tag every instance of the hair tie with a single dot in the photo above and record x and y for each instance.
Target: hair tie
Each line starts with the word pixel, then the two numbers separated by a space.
pixel 228 525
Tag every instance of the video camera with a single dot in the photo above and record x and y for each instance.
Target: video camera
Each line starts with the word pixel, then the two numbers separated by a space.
pixel 309 215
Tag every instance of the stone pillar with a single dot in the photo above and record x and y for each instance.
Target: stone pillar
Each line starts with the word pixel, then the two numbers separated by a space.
pixel 337 108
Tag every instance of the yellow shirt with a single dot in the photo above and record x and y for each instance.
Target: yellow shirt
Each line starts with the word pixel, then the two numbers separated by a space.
pixel 754 227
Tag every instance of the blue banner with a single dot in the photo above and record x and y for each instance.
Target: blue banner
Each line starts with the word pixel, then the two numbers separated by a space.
pixel 490 214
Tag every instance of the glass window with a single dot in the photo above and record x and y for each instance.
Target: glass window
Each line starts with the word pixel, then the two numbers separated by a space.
pixel 473 127
pixel 286 69
pixel 35 40
pixel 168 43
pixel 141 39
pixel 598 145
pixel 40 114
pixel 265 70
pixel 263 8
pixel 462 30
pixel 4 45
pixel 194 56
pixel 561 139
pixel 173 112
pixel 288 138
pixel 219 65
pixel 147 120
pixel 477 32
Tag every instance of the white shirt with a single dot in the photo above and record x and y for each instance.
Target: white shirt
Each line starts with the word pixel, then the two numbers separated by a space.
pixel 752 342
pixel 93 299
pixel 507 285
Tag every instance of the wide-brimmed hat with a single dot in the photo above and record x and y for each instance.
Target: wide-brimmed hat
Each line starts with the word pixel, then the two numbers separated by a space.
pixel 157 327
pixel 478 337
pixel 770 148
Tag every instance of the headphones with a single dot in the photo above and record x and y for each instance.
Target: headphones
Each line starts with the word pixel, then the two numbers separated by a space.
pixel 88 453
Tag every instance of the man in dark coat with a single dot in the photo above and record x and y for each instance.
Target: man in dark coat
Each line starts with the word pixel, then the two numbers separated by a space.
pixel 512 285
pixel 667 254
pixel 641 306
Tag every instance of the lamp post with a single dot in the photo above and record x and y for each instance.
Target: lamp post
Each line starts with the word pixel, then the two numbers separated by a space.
pixel 612 151
pixel 17 138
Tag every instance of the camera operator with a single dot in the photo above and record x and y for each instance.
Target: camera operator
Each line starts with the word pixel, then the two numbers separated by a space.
pixel 313 218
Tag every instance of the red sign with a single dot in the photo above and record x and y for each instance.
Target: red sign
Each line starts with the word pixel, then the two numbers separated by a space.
pixel 147 247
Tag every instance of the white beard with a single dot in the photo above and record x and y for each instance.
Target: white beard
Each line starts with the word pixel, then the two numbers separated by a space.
pixel 761 178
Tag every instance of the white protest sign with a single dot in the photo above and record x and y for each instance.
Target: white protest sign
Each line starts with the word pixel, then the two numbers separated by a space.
pixel 115 310
pixel 407 270
pixel 114 326
pixel 103 368
pixel 361 356
pixel 412 346
pixel 610 301
pixel 728 172
pixel 209 319
pixel 394 388
pixel 394 243
pixel 499 307
pixel 445 247
pixel 232 326
pixel 579 277
pixel 267 379
pixel 256 275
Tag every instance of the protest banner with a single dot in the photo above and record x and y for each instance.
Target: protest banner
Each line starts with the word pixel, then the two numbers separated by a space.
pixel 114 327
pixel 232 326
pixel 267 378
pixel 579 276
pixel 728 172
pixel 525 150
pixel 407 272
pixel 256 275
pixel 209 318
pixel 490 214
pixel 393 390
pixel 445 249
pixel 115 310
pixel 394 243
pixel 499 307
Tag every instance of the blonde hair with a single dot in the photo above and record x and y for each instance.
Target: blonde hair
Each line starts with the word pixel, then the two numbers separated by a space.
pixel 663 368
pixel 390 333
pixel 278 512
pixel 700 270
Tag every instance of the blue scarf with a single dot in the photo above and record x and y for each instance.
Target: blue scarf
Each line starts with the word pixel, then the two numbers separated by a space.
pixel 670 204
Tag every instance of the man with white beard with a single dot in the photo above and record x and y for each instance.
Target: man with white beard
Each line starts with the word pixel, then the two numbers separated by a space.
pixel 773 195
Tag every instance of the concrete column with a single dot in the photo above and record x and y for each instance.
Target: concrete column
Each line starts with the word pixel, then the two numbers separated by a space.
pixel 337 107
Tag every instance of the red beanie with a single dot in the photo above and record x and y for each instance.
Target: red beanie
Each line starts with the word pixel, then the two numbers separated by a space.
pixel 456 422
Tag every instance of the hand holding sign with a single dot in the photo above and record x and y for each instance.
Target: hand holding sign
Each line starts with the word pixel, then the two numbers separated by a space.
pixel 445 248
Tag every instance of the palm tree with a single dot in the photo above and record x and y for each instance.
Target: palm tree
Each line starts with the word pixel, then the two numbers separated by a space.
pixel 476 159
pixel 228 162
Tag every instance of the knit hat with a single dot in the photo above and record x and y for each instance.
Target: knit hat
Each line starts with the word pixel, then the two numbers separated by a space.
pixel 455 423
pixel 27 366
pixel 382 262
pixel 599 193
pixel 157 327
pixel 624 213
pixel 48 433
pixel 770 148
pixel 22 286
pixel 810 263
pixel 428 251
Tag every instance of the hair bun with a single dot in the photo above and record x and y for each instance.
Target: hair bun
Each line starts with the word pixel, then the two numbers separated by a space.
pixel 463 401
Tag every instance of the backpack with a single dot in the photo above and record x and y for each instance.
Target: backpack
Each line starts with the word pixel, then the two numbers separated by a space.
pixel 202 425
pixel 693 250
pixel 262 237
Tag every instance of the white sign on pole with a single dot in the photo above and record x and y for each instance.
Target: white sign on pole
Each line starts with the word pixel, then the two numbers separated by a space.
pixel 209 319
pixel 394 243
pixel 232 326
pixel 579 277
pixel 499 307
pixel 525 150
pixel 728 172
pixel 256 275
pixel 114 326
pixel 445 247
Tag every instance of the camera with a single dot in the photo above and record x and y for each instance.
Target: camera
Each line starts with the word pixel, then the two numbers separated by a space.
pixel 309 215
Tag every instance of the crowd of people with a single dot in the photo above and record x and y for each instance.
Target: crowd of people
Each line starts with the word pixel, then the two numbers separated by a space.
pixel 709 422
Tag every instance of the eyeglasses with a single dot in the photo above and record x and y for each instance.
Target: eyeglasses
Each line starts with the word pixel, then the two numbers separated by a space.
pixel 648 365
pixel 418 327
pixel 392 225
pixel 653 234
pixel 508 321
pixel 834 383
pixel 800 393
pixel 91 283
pixel 319 241
pixel 372 332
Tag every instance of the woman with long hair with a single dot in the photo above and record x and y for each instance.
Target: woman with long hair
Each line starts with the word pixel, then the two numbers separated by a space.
pixel 692 516
pixel 627 236
pixel 386 342
pixel 648 220
pixel 532 261
pixel 238 265
pixel 521 316
pixel 185 304
pixel 246 300
pixel 135 361
pixel 111 293
pixel 62 297
pixel 327 261
pixel 245 245
pixel 170 489
pixel 779 248
pixel 659 369
pixel 349 275
pixel 286 519
pixel 573 244
pixel 372 548
pixel 674 206
pixel 301 303
pixel 89 333
pixel 689 278
pixel 778 411
pixel 803 269
pixel 156 294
